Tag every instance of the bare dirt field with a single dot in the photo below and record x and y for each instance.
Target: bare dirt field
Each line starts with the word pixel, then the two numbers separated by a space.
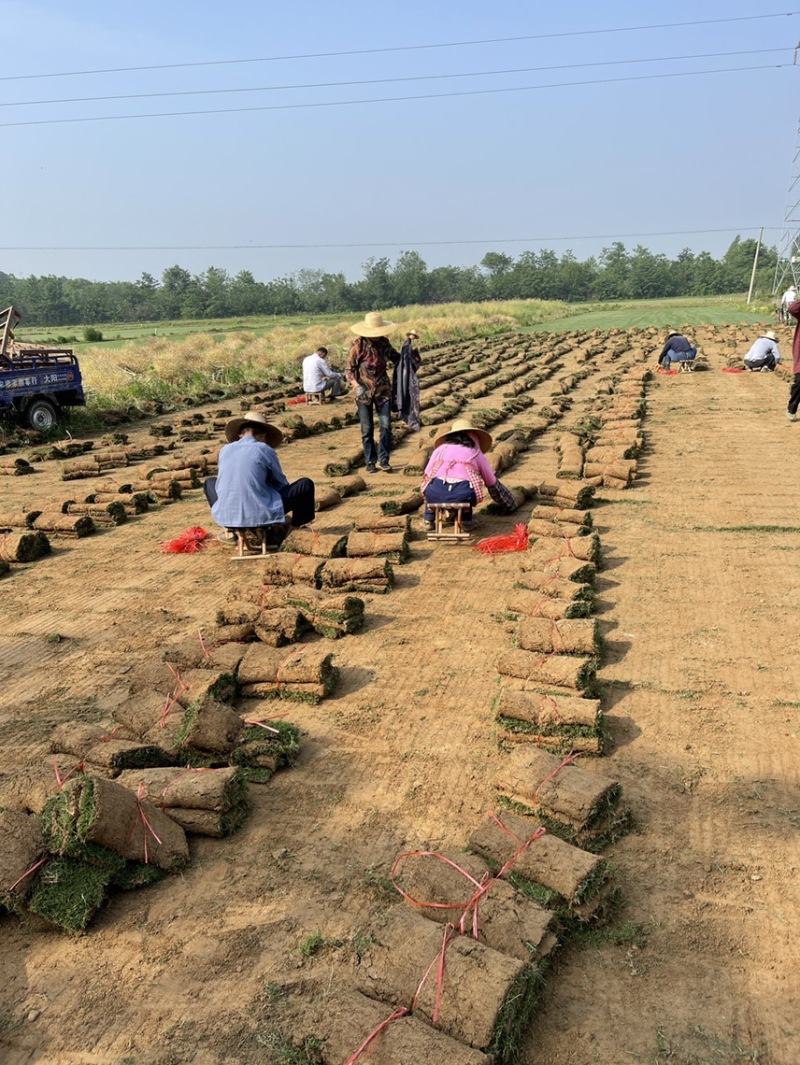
pixel 234 961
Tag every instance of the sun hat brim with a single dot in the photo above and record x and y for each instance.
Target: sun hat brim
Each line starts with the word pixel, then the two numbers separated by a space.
pixel 234 427
pixel 361 329
pixel 484 438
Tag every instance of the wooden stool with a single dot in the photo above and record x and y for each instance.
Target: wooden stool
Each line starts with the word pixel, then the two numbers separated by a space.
pixel 314 397
pixel 245 550
pixel 457 533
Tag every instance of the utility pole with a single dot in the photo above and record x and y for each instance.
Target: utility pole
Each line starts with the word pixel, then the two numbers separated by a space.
pixel 755 265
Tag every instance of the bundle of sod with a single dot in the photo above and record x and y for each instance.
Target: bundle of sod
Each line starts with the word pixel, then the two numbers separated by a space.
pixel 23 546
pixel 21 847
pixel 611 453
pixel 581 548
pixel 507 920
pixel 101 513
pixel 14 467
pixel 556 722
pixel 204 725
pixel 161 492
pixel 525 603
pixel 555 873
pixel 577 636
pixel 554 587
pixel 574 804
pixel 191 654
pixel 329 615
pixel 341 466
pixel 567 673
pixel 404 505
pixel 570 457
pixel 18 519
pixel 556 529
pixel 203 802
pixel 187 479
pixel 614 474
pixel 291 569
pixel 133 502
pixel 241 632
pixel 416 468
pixel 238 612
pixel 486 998
pixel 80 469
pixel 369 544
pixel 266 746
pixel 351 487
pixel 306 673
pixel 65 524
pixel 362 575
pixel 319 544
pixel 632 439
pixel 90 812
pixel 327 498
pixel 384 523
pixel 349 1017
pixel 563 493
pixel 280 625
pixel 99 749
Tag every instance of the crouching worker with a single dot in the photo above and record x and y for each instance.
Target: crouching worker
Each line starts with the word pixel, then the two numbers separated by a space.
pixel 250 490
pixel 764 354
pixel 677 349
pixel 457 471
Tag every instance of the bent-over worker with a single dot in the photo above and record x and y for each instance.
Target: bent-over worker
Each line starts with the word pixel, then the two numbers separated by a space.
pixel 764 354
pixel 457 470
pixel 677 349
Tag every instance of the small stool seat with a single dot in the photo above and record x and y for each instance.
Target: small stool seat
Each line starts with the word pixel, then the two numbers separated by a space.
pixel 314 397
pixel 255 543
pixel 441 512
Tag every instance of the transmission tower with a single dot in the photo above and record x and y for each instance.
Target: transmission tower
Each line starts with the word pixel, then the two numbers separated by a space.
pixel 788 264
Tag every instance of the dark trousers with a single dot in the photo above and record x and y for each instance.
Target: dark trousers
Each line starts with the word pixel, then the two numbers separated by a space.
pixel 768 361
pixel 794 394
pixel 298 499
pixel 439 491
pixel 365 416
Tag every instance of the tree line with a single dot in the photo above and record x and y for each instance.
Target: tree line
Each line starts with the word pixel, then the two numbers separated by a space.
pixel 616 274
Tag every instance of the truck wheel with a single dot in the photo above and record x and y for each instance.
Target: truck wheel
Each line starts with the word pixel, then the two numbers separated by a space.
pixel 41 415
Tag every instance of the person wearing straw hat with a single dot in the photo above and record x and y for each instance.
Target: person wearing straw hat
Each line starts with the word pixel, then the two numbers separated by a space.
pixel 405 383
pixel 367 372
pixel 794 392
pixel 677 349
pixel 250 490
pixel 764 354
pixel 457 471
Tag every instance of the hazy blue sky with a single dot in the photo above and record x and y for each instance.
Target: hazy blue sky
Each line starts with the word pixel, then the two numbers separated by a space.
pixel 704 152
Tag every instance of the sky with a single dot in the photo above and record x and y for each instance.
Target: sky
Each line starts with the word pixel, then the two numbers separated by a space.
pixel 552 163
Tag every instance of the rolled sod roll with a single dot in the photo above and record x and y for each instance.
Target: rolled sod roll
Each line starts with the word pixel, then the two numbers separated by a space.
pixel 564 877
pixel 214 823
pixel 18 519
pixel 574 636
pixel 630 439
pixel 391 545
pixel 161 720
pixel 238 613
pixel 291 569
pixel 15 465
pixel 198 685
pixel 404 504
pixel 610 454
pixel 556 530
pixel 612 424
pixel 571 569
pixel 329 615
pixel 582 548
pixel 190 654
pixel 101 513
pixel 342 465
pixel 21 847
pixel 64 524
pixel 23 546
pixel 279 626
pixel 554 586
pixel 358 574
pixel 572 803
pixel 267 744
pixel 327 498
pixel 90 811
pixel 507 920
pixel 350 487
pixel 570 463
pixel 384 522
pixel 517 494
pixel 557 515
pixel 311 542
pixel 575 495
pixel 307 671
pixel 349 1018
pixel 525 603
pixel 92 744
pixel 548 712
pixel 622 470
pixel 486 997
pixel 244 632
pixel 69 892
pixel 548 671
pixel 201 789
pixel 79 470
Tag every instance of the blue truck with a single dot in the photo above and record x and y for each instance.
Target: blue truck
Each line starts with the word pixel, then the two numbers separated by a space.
pixel 37 383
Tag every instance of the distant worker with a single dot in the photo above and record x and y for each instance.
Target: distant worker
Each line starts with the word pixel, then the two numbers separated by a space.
pixel 794 394
pixel 677 349
pixel 457 470
pixel 367 372
pixel 319 377
pixel 764 354
pixel 405 383
pixel 789 296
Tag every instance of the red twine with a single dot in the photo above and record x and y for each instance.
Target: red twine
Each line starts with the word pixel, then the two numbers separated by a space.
pixel 499 545
pixel 32 869
pixel 733 369
pixel 146 826
pixel 401 1011
pixel 189 542
pixel 550 776
pixel 293 403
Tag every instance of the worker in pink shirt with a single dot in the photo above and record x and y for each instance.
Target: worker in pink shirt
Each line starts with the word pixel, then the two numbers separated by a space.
pixel 457 471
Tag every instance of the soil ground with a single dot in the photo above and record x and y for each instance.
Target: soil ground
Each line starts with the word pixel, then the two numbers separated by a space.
pixel 230 963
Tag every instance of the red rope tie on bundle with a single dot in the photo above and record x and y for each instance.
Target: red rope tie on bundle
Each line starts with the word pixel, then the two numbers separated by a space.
pixel 206 652
pixel 28 872
pixel 62 781
pixel 111 735
pixel 401 1011
pixel 146 826
pixel 499 545
pixel 180 687
pixel 553 707
pixel 447 939
pixel 470 905
pixel 569 760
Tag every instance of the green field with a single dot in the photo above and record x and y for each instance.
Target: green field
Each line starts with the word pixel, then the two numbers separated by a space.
pixel 663 314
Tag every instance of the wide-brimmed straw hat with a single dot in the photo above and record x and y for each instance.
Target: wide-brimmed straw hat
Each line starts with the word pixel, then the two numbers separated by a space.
pixel 413 333
pixel 255 421
pixel 464 425
pixel 374 325
pixel 770 335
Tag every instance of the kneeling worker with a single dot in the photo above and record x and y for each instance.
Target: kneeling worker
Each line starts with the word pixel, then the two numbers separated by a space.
pixel 677 349
pixel 319 377
pixel 764 354
pixel 250 490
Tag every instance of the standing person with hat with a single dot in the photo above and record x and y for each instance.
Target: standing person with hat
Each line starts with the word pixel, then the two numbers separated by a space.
pixel 764 354
pixel 367 372
pixel 405 383
pixel 794 394
pixel 677 349
pixel 250 490
pixel 457 471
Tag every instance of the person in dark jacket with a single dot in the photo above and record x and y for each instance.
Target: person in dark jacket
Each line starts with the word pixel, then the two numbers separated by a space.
pixel 677 349
pixel 405 383
pixel 794 393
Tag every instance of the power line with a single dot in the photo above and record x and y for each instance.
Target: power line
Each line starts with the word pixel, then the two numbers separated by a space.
pixel 384 244
pixel 385 99
pixel 389 81
pixel 397 48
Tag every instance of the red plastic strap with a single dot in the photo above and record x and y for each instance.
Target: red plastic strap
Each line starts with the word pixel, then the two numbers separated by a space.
pixel 147 827
pixel 206 652
pixel 401 1011
pixel 62 781
pixel 550 776
pixel 28 872
pixel 438 961
pixel 253 721
pixel 111 735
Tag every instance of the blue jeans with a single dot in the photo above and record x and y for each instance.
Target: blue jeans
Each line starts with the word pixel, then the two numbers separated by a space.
pixel 679 356
pixel 367 420
pixel 439 491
